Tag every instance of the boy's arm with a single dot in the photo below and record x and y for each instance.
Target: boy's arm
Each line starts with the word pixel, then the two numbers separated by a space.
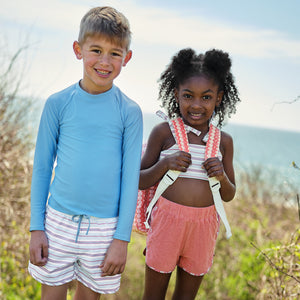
pixel 44 157
pixel 115 259
pixel 45 153
pixel 131 161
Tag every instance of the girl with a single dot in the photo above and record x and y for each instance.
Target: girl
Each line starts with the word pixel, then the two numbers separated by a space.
pixel 184 223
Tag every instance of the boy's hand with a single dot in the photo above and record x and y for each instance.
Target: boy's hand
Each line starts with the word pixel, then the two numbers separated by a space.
pixel 115 258
pixel 38 248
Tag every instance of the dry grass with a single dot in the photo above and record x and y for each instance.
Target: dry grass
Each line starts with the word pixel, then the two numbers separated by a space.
pixel 260 261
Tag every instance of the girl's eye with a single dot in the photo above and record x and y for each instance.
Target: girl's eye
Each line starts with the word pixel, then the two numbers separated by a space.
pixel 187 96
pixel 116 54
pixel 206 97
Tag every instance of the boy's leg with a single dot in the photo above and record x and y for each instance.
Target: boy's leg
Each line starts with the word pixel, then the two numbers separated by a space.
pixel 187 285
pixel 92 248
pixel 54 292
pixel 83 292
pixel 156 284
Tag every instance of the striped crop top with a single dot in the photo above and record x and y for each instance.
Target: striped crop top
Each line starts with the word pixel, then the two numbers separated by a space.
pixel 195 170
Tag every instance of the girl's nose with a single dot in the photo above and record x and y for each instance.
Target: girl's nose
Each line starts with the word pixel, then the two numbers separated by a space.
pixel 197 102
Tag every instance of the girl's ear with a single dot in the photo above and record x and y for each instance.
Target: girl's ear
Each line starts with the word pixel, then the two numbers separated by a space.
pixel 77 50
pixel 176 95
pixel 219 98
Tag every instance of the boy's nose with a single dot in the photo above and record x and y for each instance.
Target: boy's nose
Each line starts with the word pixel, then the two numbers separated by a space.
pixel 104 59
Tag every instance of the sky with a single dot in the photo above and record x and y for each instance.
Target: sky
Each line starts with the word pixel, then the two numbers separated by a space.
pixel 262 38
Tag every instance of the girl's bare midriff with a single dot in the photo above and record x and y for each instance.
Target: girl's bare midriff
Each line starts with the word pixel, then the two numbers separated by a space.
pixel 190 192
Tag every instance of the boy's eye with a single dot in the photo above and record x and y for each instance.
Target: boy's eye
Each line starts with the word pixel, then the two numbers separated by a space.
pixel 96 51
pixel 116 54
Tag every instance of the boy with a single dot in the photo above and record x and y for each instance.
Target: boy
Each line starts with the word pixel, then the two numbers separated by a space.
pixel 94 132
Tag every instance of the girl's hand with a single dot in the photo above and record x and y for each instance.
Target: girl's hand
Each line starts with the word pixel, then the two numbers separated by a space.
pixel 214 168
pixel 223 170
pixel 178 161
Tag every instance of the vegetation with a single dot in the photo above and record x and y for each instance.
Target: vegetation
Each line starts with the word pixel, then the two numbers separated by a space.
pixel 15 173
pixel 260 261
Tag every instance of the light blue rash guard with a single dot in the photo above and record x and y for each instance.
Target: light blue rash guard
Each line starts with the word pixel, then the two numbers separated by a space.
pixel 96 141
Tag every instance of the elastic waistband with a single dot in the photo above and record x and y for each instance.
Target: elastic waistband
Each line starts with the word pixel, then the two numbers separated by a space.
pixel 86 219
pixel 185 212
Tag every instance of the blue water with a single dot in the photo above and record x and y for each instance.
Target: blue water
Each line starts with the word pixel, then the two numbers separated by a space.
pixel 272 150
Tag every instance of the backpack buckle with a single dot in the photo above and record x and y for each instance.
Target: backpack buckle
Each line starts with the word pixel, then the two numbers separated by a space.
pixel 214 184
pixel 170 177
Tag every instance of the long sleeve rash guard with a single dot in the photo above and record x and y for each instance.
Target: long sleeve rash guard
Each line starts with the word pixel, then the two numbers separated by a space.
pixel 96 142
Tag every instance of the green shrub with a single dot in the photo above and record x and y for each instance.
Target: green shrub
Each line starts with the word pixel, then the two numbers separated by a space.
pixel 260 261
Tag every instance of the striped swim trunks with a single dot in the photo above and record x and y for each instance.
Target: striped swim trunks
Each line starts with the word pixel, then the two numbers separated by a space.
pixel 77 247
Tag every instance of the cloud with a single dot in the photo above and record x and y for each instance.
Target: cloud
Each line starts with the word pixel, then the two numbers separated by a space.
pixel 157 34
pixel 157 26
pixel 43 14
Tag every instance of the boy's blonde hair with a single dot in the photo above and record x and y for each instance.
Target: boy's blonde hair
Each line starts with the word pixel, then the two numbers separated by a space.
pixel 105 21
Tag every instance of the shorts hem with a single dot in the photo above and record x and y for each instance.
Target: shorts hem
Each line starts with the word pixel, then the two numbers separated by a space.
pixel 50 283
pixel 195 274
pixel 111 291
pixel 191 273
pixel 162 272
pixel 101 292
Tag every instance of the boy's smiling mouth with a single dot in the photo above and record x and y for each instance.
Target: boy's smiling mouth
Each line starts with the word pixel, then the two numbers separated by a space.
pixel 102 72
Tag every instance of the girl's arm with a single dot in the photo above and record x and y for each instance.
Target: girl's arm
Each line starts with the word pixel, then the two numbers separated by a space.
pixel 223 170
pixel 153 169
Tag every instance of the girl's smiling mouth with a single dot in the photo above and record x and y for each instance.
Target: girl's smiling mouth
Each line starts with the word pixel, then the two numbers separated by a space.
pixel 196 115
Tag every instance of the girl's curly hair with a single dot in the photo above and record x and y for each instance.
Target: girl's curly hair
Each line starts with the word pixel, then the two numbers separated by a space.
pixel 214 64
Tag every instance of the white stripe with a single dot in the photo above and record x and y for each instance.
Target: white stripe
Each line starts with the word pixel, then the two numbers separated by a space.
pixel 90 250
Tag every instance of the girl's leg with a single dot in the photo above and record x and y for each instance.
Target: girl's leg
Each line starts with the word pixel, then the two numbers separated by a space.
pixel 83 292
pixel 156 284
pixel 54 292
pixel 187 285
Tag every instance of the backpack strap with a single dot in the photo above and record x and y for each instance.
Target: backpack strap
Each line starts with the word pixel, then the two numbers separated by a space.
pixel 172 122
pixel 213 142
pixel 180 134
pixel 211 150
pixel 170 177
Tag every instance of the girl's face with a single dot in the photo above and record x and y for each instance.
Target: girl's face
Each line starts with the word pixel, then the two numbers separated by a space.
pixel 197 98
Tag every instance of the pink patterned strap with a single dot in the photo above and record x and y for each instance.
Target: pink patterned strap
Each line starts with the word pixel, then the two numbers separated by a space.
pixel 180 133
pixel 213 143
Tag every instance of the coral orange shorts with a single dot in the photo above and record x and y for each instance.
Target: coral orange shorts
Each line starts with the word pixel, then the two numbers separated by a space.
pixel 182 236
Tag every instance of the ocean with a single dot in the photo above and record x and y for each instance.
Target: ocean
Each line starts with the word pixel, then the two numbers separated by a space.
pixel 271 150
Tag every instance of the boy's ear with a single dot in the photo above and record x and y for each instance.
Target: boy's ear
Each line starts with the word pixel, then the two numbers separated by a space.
pixel 127 58
pixel 77 50
pixel 219 98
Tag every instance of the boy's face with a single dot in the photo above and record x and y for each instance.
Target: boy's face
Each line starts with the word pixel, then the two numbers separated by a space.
pixel 102 63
